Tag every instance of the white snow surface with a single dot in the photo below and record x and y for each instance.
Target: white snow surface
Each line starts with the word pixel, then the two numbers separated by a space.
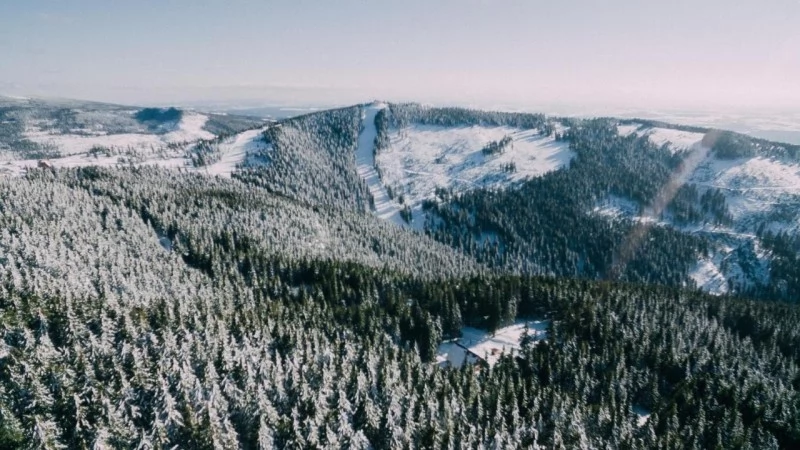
pixel 189 128
pixel 676 139
pixel 709 277
pixel 476 344
pixel 234 151
pixel 615 206
pixel 751 186
pixel 625 130
pixel 385 207
pixel 421 158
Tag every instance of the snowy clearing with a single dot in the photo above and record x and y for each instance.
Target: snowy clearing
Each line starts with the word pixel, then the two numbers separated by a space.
pixel 708 276
pixel 625 130
pixel 421 158
pixel 751 186
pixel 615 206
pixel 476 345
pixel 385 207
pixel 190 128
pixel 676 139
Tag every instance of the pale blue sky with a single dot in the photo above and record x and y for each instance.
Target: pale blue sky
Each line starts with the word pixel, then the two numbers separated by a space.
pixel 631 53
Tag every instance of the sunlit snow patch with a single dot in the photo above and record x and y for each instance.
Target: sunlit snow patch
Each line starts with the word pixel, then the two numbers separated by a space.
pixel 421 158
pixel 708 277
pixel 675 139
pixel 189 128
pixel 642 415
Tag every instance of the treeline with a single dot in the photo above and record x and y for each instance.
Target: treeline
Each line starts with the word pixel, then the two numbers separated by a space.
pixel 401 115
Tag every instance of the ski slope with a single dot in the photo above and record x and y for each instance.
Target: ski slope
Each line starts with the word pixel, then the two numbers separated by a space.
pixel 235 152
pixel 385 207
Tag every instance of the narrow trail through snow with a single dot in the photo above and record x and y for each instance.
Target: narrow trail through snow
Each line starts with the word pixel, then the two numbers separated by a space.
pixel 385 207
pixel 236 151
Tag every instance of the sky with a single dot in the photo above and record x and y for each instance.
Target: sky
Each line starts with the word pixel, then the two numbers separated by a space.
pixel 700 53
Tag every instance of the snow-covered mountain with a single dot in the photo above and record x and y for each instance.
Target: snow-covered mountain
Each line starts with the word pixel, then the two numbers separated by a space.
pixel 68 133
pixel 415 165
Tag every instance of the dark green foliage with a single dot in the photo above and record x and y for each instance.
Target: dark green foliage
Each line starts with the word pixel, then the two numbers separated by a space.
pixel 158 115
pixel 224 124
pixel 401 115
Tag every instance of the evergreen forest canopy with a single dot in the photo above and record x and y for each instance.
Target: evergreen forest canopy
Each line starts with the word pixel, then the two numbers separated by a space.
pixel 146 308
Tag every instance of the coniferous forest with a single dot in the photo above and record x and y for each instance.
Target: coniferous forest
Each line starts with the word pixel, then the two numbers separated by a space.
pixel 148 308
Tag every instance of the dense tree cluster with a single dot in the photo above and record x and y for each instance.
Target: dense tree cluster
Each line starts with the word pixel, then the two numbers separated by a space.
pixel 689 206
pixel 401 115
pixel 142 308
pixel 496 147
pixel 312 159
pixel 157 116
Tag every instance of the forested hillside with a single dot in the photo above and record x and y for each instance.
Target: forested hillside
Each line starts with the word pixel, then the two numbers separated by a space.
pixel 151 308
pixel 638 200
pixel 147 308
pixel 312 159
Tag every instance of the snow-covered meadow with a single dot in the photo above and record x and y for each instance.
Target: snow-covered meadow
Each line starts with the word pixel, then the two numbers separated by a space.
pixel 422 158
pixel 188 129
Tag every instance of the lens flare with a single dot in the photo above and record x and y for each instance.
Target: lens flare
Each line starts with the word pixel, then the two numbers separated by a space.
pixel 633 242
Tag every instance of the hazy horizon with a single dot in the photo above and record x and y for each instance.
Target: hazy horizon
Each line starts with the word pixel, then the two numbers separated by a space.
pixel 579 53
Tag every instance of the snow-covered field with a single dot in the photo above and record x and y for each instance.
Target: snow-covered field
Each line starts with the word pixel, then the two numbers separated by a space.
pixel 421 158
pixel 476 344
pixel 234 151
pixel 751 185
pixel 625 130
pixel 188 129
pixel 708 276
pixel 676 139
